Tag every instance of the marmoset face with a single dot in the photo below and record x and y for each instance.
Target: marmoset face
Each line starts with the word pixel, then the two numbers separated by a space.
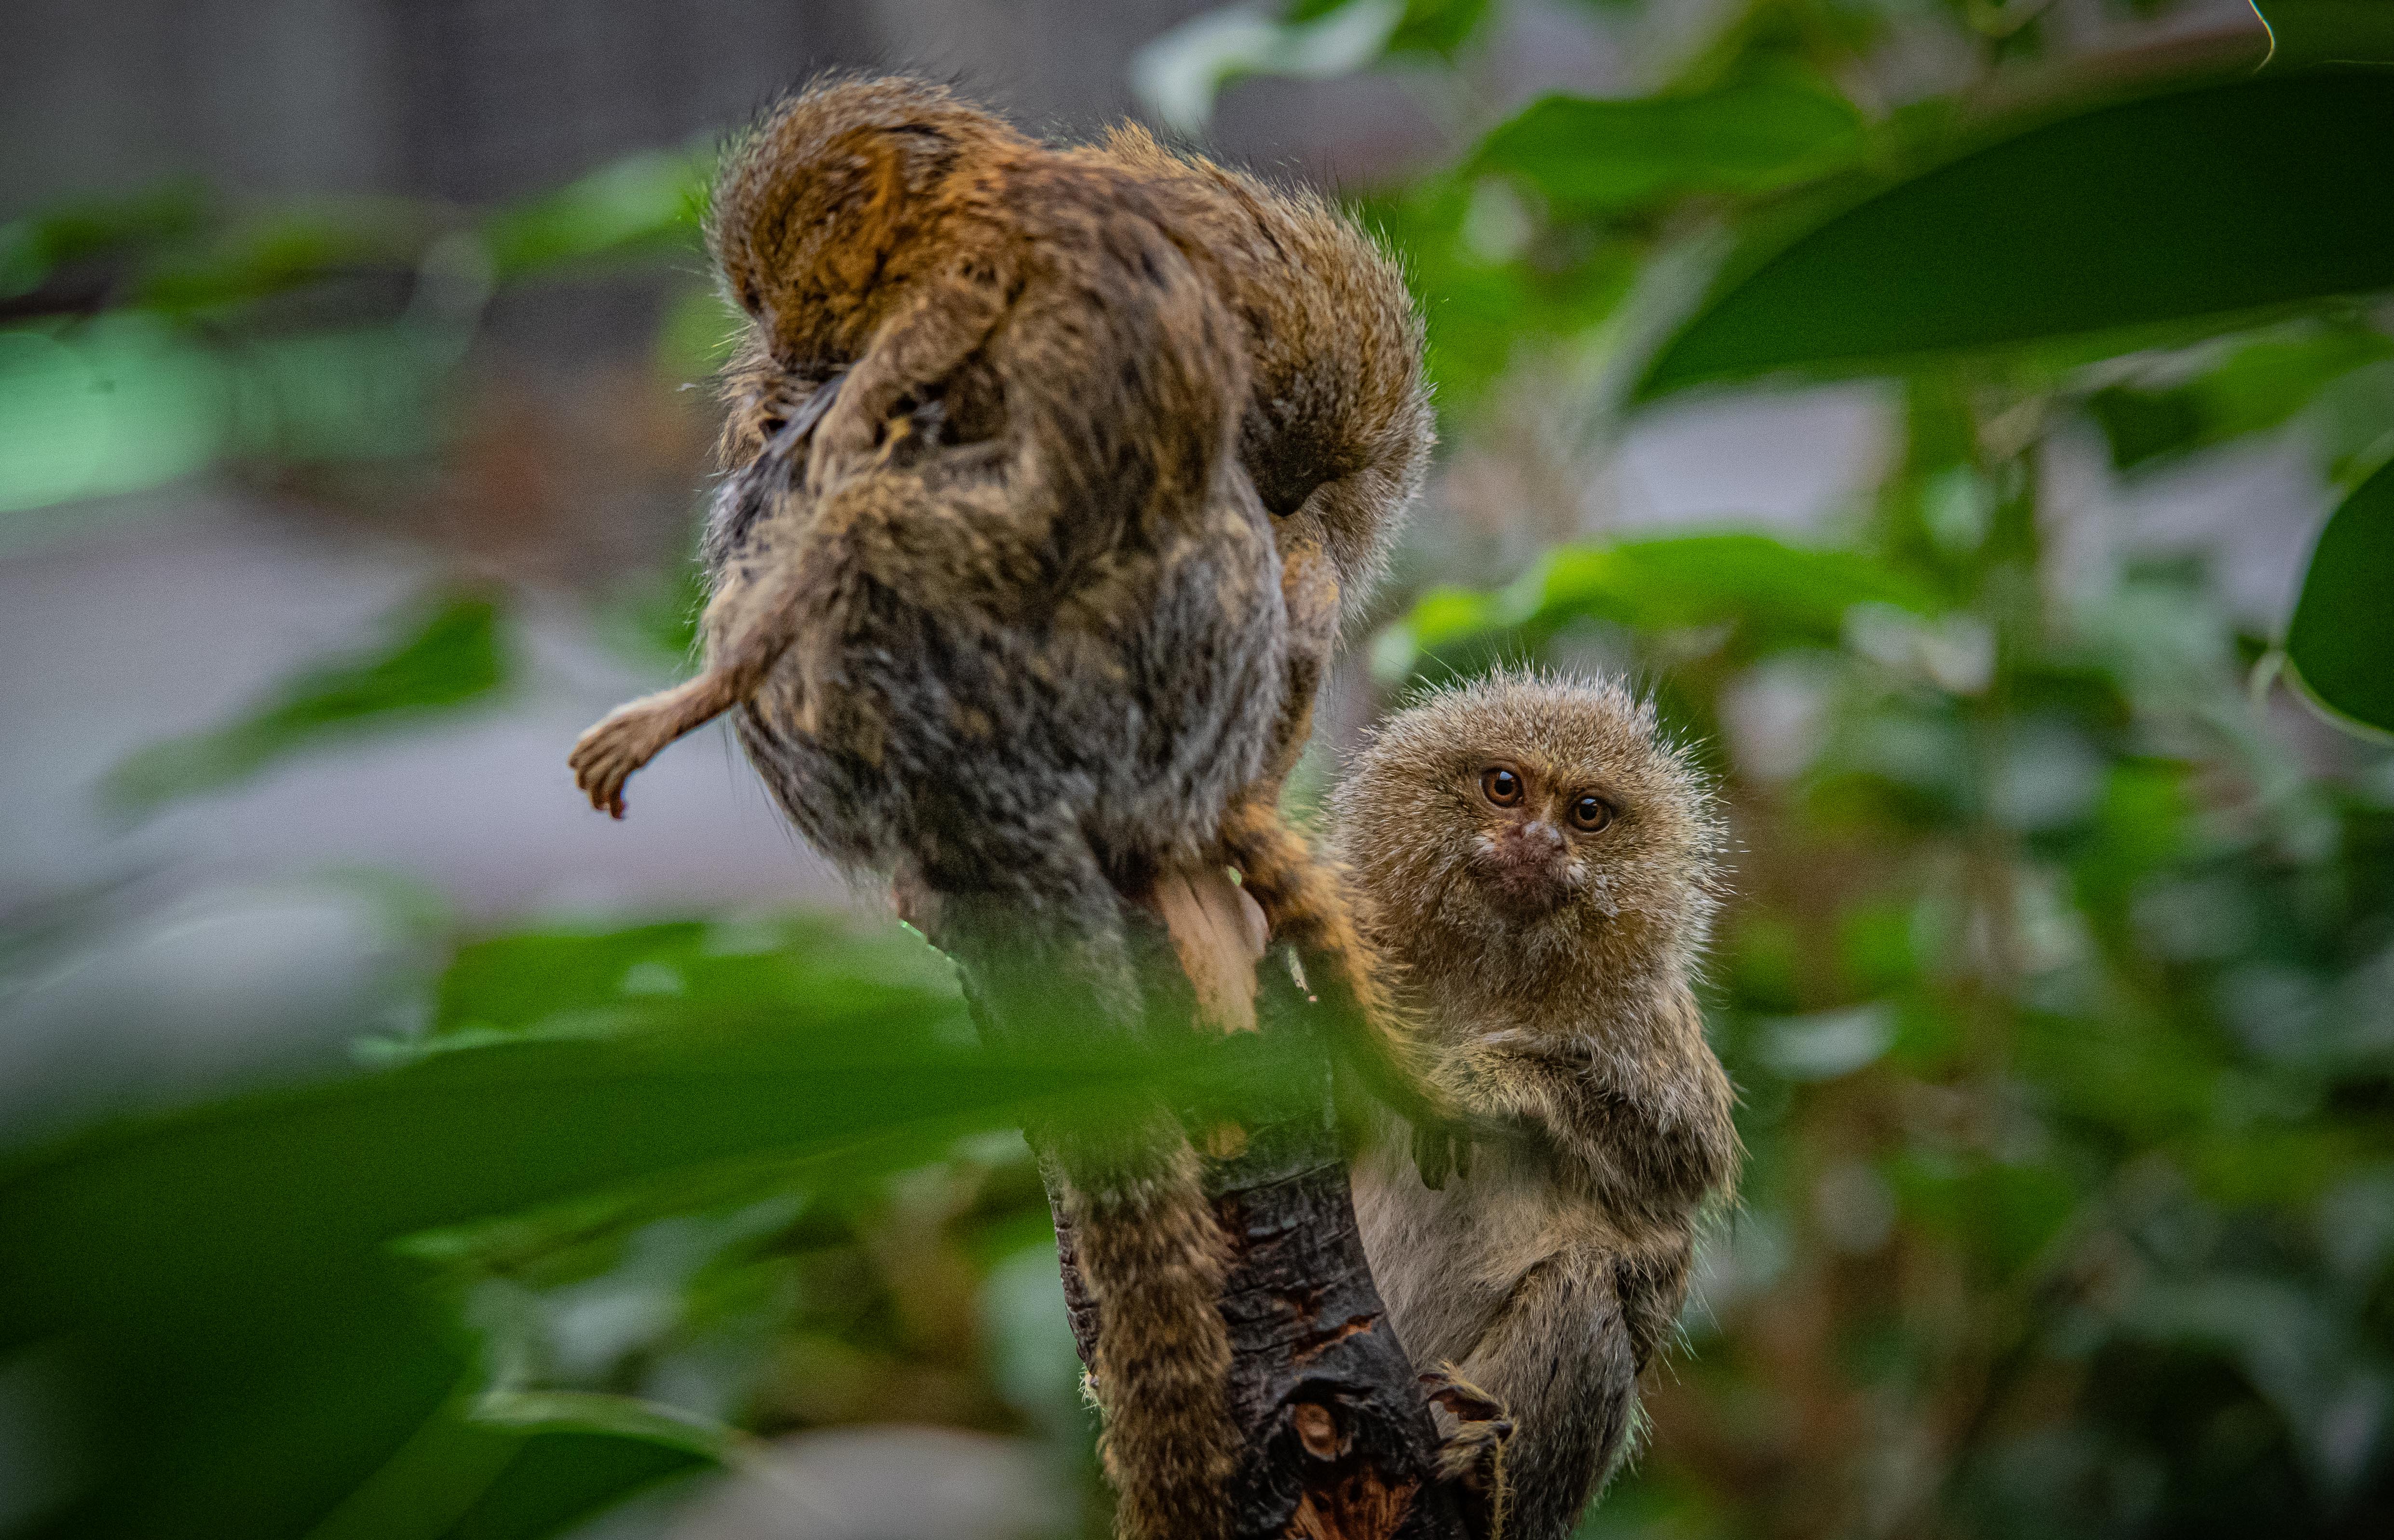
pixel 1524 808
pixel 1540 833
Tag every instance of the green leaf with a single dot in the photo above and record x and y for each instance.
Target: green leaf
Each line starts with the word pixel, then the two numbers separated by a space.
pixel 645 203
pixel 124 403
pixel 450 657
pixel 682 970
pixel 1427 26
pixel 34 247
pixel 2202 202
pixel 2259 387
pixel 1751 137
pixel 253 1356
pixel 622 1416
pixel 1773 592
pixel 1488 290
pixel 2341 641
pixel 290 248
pixel 559 1479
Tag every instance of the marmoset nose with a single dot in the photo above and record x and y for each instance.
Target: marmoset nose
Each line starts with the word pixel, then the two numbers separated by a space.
pixel 1527 866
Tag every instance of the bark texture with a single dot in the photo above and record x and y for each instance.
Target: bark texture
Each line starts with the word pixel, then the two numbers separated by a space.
pixel 1339 1440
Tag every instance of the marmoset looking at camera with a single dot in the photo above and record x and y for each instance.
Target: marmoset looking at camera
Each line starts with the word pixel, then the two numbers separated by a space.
pixel 1006 617
pixel 1543 864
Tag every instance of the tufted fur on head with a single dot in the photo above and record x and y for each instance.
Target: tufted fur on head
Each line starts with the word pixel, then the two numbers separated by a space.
pixel 826 190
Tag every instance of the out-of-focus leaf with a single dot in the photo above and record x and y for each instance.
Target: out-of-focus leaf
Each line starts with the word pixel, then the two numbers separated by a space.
pixel 2208 200
pixel 649 202
pixel 293 248
pixel 625 1417
pixel 2010 1212
pixel 1179 74
pixel 131 400
pixel 1829 1045
pixel 2257 388
pixel 682 969
pixel 256 1358
pixel 697 334
pixel 2341 641
pixel 32 248
pixel 124 404
pixel 1427 26
pixel 558 1479
pixel 1486 285
pixel 1775 594
pixel 1750 137
pixel 451 656
pixel 652 619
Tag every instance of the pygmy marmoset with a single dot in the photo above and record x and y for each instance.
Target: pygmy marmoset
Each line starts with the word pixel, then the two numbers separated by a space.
pixel 1005 615
pixel 1540 863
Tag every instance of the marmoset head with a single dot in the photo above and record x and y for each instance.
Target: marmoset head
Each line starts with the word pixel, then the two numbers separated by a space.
pixel 1531 819
pixel 810 204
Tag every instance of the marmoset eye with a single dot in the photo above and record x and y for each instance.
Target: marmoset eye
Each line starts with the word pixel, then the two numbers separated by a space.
pixel 1501 786
pixel 1589 814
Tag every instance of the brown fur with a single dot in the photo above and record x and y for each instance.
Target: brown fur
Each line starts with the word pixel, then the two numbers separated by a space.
pixel 1338 429
pixel 1551 970
pixel 1336 436
pixel 1005 615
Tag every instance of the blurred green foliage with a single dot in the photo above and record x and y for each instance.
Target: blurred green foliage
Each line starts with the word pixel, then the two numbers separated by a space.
pixel 2059 984
pixel 449 657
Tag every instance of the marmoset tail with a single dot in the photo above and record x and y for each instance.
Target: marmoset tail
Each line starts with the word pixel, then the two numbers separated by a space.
pixel 1544 864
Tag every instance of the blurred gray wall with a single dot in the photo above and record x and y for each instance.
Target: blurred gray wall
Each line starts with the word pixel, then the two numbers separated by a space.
pixel 482 100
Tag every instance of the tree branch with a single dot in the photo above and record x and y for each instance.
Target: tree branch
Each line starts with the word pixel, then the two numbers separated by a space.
pixel 1340 1444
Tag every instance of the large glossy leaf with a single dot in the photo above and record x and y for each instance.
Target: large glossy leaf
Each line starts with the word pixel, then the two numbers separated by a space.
pixel 2208 200
pixel 2341 641
pixel 448 655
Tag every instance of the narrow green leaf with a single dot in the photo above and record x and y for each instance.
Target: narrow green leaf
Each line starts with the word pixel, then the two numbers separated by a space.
pixel 620 1417
pixel 1750 137
pixel 448 658
pixel 2204 202
pixel 649 202
pixel 2341 641
pixel 32 248
pixel 289 248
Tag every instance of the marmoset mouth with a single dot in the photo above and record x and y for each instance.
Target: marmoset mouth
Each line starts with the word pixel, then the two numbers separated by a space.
pixel 1526 870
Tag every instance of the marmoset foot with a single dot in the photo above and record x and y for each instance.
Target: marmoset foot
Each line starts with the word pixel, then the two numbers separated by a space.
pixel 1473 1427
pixel 630 736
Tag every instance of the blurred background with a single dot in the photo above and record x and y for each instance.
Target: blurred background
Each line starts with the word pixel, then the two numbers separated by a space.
pixel 354 425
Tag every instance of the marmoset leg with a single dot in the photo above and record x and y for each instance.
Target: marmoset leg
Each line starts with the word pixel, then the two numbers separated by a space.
pixel 1558 1356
